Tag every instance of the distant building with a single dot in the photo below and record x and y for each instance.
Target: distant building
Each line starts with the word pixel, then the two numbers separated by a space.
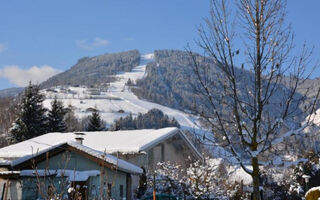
pixel 142 148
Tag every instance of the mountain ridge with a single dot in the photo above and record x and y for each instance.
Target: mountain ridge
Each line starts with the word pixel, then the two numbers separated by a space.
pixel 10 92
pixel 95 70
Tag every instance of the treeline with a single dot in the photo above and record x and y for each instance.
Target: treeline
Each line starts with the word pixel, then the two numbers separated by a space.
pixel 95 70
pixel 153 119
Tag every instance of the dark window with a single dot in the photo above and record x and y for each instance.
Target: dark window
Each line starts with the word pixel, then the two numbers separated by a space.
pixel 109 190
pixel 80 190
pixel 121 191
pixel 3 189
pixel 162 152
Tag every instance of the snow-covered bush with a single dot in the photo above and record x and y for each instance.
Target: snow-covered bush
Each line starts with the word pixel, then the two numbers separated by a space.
pixel 279 191
pixel 236 192
pixel 204 179
pixel 215 179
pixel 286 182
pixel 311 168
pixel 168 180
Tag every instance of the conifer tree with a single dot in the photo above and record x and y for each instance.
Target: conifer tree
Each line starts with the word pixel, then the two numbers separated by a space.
pixel 31 118
pixel 56 115
pixel 95 122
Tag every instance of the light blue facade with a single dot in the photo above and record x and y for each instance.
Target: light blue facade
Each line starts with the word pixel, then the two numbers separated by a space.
pixel 116 180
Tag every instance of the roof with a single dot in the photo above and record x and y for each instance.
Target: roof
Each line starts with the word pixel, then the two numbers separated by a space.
pixel 119 163
pixel 128 141
pixel 124 142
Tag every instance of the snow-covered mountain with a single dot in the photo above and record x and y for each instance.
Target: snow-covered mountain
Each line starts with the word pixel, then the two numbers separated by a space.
pixel 123 83
pixel 116 100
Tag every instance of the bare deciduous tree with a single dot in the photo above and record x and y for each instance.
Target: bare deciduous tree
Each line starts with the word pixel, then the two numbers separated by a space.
pixel 250 105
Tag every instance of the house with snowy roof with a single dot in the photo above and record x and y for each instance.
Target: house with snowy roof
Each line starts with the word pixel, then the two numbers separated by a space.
pixel 67 170
pixel 122 152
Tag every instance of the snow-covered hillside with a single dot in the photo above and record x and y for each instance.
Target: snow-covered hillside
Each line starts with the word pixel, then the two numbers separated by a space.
pixel 115 101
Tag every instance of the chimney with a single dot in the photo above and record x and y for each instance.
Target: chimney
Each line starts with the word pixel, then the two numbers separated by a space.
pixel 79 138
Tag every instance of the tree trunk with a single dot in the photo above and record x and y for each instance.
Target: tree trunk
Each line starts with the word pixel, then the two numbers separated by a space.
pixel 256 179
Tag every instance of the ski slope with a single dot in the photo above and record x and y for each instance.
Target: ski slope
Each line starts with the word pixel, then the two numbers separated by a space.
pixel 117 101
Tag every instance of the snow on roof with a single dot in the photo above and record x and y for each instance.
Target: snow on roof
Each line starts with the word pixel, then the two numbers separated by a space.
pixel 121 164
pixel 129 141
pixel 33 154
pixel 4 162
pixel 72 175
pixel 9 172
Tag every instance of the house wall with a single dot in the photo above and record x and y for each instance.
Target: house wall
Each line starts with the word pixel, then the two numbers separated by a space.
pixel 74 161
pixel 174 149
pixel 14 190
pixel 30 187
pixel 140 160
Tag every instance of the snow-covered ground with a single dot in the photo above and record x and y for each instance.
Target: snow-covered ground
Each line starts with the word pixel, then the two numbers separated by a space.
pixel 117 101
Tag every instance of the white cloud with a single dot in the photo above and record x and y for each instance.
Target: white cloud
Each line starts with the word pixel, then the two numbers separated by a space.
pixel 21 77
pixel 3 48
pixel 96 43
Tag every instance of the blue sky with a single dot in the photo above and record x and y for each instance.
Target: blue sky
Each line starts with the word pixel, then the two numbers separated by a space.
pixel 40 37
